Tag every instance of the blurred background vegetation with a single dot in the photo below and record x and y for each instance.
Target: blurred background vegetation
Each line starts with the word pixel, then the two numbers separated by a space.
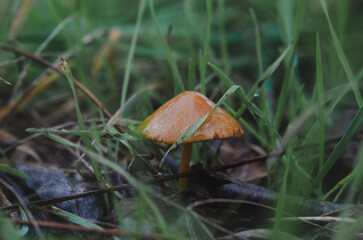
pixel 135 55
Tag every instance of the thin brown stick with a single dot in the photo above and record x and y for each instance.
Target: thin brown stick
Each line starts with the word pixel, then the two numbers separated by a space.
pixel 128 186
pixel 243 162
pixel 74 227
pixel 76 82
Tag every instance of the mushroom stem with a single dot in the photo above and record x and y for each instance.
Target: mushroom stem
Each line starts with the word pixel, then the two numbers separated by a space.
pixel 184 165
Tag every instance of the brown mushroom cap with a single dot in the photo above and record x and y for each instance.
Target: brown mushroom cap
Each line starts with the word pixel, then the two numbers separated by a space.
pixel 176 116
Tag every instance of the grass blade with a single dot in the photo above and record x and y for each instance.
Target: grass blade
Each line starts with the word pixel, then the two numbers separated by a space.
pixel 320 87
pixel 13 171
pixel 269 71
pixel 258 42
pixel 204 62
pixel 85 133
pixel 74 218
pixel 342 58
pixel 246 101
pixel 263 101
pixel 289 74
pixel 178 82
pixel 9 19
pixel 223 36
pixel 338 150
pixel 282 194
pixel 191 74
pixel 60 140
pixel 132 52
pixel 53 34
pixel 346 180
pixel 86 141
pixel 357 182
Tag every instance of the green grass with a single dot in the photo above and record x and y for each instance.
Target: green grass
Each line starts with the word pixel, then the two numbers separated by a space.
pixel 85 140
pixel 289 71
pixel 320 93
pixel 130 56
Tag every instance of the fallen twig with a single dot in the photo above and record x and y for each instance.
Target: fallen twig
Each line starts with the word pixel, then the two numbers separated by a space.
pixel 74 227
pixel 205 185
pixel 128 186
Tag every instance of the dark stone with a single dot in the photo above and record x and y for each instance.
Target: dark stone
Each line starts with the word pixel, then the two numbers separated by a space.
pixel 49 182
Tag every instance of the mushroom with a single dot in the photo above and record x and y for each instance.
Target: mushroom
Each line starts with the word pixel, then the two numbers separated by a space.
pixel 176 116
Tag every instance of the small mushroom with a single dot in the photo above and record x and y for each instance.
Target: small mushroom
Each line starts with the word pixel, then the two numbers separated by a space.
pixel 176 116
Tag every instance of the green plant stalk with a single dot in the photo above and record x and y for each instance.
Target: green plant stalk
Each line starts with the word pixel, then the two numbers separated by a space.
pixel 98 148
pixel 202 80
pixel 108 142
pixel 320 87
pixel 342 58
pixel 356 185
pixel 191 75
pixel 85 133
pixel 254 110
pixel 268 72
pixel 284 92
pixel 291 58
pixel 338 150
pixel 247 98
pixel 12 170
pixel 329 109
pixel 191 19
pixel 250 129
pixel 53 34
pixel 258 42
pixel 247 126
pixel 86 141
pixel 6 25
pixel 346 180
pixel 178 82
pixel 131 54
pixel 204 62
pixel 340 192
pixel 342 17
pixel 282 194
pixel 54 8
pixel 222 36
pixel 263 100
pixel 285 15
pixel 74 218
pixel 296 103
